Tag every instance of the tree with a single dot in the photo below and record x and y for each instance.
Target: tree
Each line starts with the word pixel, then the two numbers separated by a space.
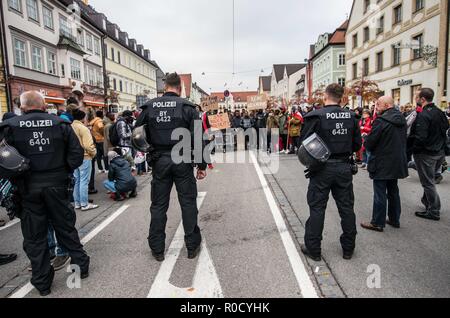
pixel 368 89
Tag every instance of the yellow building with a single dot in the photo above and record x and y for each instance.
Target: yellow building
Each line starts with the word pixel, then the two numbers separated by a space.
pixel 3 101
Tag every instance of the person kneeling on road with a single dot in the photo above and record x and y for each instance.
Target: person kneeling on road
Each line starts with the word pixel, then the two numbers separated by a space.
pixel 121 181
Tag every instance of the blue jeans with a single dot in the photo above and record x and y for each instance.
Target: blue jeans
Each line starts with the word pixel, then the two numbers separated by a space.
pixel 53 245
pixel 110 185
pixel 386 197
pixel 81 190
pixel 366 157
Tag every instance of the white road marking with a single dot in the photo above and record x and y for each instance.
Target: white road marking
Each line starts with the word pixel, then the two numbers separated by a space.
pixel 304 281
pixel 25 290
pixel 205 283
pixel 9 224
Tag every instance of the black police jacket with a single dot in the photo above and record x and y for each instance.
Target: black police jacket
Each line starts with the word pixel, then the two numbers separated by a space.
pixel 46 140
pixel 337 127
pixel 387 146
pixel 120 172
pixel 165 114
pixel 429 131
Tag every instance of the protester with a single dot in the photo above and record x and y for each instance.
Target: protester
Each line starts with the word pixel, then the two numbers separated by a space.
pixel 82 174
pixel 121 181
pixel 98 132
pixel 124 131
pixel 108 121
pixel 295 122
pixel 366 128
pixel 387 164
pixel 429 134
pixel 260 124
pixel 272 123
pixel 283 125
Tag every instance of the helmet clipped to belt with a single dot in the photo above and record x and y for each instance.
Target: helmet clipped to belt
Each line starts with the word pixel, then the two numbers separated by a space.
pixel 12 163
pixel 139 139
pixel 314 152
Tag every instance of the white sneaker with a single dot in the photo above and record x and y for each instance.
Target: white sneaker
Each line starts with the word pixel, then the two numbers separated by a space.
pixel 77 207
pixel 89 207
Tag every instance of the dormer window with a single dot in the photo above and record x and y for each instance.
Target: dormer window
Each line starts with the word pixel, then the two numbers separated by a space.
pixel 104 24
pixel 126 41
pixel 117 33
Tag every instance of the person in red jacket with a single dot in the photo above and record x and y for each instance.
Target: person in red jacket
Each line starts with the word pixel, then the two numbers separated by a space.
pixel 366 128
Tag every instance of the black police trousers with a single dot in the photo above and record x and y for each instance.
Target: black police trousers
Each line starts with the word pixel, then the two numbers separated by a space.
pixel 43 203
pixel 337 178
pixel 165 174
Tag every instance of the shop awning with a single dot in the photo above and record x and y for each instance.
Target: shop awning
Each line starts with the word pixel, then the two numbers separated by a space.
pixel 54 100
pixel 93 104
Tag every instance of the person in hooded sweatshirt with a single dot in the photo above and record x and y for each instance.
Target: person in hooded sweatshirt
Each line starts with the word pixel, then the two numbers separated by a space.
pixel 387 164
pixel 121 181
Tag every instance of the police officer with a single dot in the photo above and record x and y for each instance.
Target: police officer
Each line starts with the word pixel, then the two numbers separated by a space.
pixel 339 129
pixel 162 116
pixel 54 152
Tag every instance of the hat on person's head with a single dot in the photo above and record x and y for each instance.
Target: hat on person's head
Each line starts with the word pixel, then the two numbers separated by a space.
pixel 112 155
pixel 127 114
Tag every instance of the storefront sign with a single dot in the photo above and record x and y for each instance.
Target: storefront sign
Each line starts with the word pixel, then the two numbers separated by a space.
pixel 404 82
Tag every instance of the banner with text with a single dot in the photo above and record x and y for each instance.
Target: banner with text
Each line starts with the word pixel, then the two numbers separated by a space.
pixel 257 102
pixel 219 122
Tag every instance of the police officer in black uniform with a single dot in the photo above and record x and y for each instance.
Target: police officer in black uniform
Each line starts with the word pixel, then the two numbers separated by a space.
pixel 340 131
pixel 54 152
pixel 162 116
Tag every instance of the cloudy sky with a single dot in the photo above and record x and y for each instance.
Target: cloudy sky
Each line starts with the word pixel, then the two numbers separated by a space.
pixel 196 36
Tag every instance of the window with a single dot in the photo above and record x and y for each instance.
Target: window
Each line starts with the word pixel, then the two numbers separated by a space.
pixel 75 69
pixel 380 57
pixel 15 5
pixel 396 54
pixel 398 14
pixel 96 46
pixel 48 17
pixel 121 86
pixel 51 63
pixel 115 84
pixel 366 34
pixel 91 76
pixel 99 78
pixel 419 5
pixel 118 57
pixel 417 52
pixel 366 67
pixel 341 81
pixel 80 37
pixel 341 60
pixel 396 96
pixel 32 9
pixel 89 42
pixel 355 70
pixel 64 26
pixel 63 71
pixel 355 40
pixel 36 59
pixel 20 53
pixel 380 25
pixel 366 5
pixel 113 56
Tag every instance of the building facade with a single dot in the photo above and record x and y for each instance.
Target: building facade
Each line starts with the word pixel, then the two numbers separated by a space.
pixel 284 81
pixel 395 43
pixel 265 85
pixel 3 87
pixel 191 90
pixel 328 60
pixel 54 49
pixel 236 101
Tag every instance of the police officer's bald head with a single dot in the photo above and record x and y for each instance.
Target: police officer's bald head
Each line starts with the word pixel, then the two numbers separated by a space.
pixel 32 100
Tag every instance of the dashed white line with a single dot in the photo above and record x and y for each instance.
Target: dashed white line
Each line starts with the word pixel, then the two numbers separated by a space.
pixel 10 224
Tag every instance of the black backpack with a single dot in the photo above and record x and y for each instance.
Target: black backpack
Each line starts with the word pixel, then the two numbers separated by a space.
pixel 114 135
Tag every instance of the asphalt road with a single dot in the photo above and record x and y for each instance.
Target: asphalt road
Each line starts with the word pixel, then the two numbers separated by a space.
pixel 247 252
pixel 250 247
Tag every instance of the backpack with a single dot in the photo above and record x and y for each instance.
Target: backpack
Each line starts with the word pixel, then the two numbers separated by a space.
pixel 114 135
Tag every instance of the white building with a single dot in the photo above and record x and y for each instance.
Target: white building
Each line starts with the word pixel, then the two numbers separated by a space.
pixel 53 49
pixel 385 42
pixel 284 81
pixel 329 59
